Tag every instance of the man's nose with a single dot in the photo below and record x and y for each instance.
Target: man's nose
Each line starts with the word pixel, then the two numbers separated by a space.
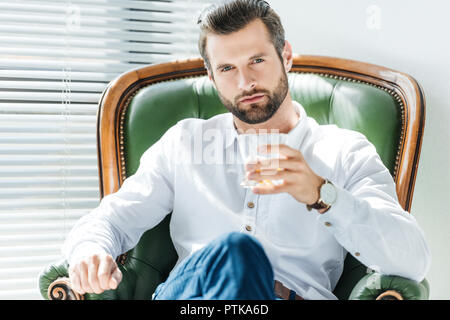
pixel 246 81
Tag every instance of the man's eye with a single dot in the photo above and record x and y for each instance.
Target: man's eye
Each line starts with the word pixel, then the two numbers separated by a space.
pixel 225 69
pixel 258 60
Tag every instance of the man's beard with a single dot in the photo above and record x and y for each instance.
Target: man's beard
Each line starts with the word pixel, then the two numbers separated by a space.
pixel 256 113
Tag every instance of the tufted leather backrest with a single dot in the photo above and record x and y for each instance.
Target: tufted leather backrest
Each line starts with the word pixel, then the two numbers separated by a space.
pixel 140 106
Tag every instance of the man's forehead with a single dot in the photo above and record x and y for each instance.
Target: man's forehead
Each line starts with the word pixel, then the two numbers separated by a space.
pixel 247 43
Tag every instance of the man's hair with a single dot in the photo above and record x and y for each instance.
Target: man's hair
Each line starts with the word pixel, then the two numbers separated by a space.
pixel 234 15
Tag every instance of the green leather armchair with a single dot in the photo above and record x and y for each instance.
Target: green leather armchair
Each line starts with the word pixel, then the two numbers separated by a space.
pixel 140 105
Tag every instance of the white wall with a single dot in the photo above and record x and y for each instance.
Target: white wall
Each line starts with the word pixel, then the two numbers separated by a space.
pixel 411 36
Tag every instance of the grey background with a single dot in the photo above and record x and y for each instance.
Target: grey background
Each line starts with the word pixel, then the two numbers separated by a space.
pixel 412 37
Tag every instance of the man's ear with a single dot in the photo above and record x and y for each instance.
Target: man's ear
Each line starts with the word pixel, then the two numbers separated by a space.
pixel 288 57
pixel 211 77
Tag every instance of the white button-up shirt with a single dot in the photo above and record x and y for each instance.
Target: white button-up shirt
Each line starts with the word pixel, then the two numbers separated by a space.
pixel 195 170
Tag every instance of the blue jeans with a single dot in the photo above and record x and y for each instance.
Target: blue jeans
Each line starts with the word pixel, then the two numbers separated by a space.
pixel 232 267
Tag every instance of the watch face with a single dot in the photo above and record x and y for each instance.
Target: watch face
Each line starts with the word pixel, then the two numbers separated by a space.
pixel 328 193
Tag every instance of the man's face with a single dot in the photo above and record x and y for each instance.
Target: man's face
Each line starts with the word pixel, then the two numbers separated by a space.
pixel 248 74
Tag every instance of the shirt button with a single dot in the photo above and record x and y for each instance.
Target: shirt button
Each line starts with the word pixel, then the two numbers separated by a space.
pixel 248 228
pixel 250 205
pixel 357 254
pixel 328 224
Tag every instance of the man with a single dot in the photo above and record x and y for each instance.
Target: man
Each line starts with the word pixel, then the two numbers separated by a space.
pixel 236 243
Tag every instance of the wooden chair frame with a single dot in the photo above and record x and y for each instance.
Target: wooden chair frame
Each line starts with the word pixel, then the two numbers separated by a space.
pixel 405 90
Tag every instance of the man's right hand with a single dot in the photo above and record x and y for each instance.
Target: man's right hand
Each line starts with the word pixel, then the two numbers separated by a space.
pixel 95 274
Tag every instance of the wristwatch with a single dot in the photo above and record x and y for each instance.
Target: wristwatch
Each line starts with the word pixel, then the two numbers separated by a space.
pixel 327 197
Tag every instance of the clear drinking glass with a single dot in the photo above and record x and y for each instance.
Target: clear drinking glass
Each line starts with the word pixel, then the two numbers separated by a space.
pixel 248 147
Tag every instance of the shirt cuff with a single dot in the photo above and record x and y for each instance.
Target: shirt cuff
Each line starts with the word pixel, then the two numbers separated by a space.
pixel 84 250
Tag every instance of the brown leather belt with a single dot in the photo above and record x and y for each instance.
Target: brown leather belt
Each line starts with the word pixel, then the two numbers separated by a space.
pixel 285 293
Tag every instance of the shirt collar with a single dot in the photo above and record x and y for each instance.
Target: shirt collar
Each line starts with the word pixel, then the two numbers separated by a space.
pixel 295 136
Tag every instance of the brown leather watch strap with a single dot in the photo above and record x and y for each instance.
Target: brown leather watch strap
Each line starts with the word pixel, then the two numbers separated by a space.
pixel 318 205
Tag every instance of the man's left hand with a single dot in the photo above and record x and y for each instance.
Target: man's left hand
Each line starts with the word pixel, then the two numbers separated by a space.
pixel 299 180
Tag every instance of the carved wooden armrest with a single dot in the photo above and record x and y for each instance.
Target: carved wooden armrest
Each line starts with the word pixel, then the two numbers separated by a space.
pixel 390 295
pixel 376 286
pixel 61 289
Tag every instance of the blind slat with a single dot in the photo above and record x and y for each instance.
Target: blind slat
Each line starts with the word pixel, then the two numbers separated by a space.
pixel 48 96
pixel 89 13
pixel 85 32
pixel 49 108
pixel 41 216
pixel 99 24
pixel 79 46
pixel 22 182
pixel 56 59
pixel 92 54
pixel 57 128
pixel 58 75
pixel 21 171
pixel 53 86
pixel 17 284
pixel 61 64
pixel 46 118
pixel 79 203
pixel 17 251
pixel 141 5
pixel 6 229
pixel 19 273
pixel 50 192
pixel 31 238
pixel 33 149
pixel 14 294
pixel 69 138
pixel 28 261
pixel 45 159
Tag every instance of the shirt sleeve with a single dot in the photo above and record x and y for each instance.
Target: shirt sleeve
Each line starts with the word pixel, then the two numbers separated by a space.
pixel 367 219
pixel 143 201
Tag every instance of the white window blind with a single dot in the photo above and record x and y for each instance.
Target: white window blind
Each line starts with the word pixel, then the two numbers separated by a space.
pixel 56 57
